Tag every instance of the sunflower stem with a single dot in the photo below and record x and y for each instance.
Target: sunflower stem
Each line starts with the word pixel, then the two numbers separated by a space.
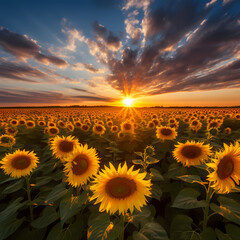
pixel 209 194
pixel 123 228
pixel 29 198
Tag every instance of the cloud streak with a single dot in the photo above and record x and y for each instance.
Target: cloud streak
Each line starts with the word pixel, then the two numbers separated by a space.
pixel 22 47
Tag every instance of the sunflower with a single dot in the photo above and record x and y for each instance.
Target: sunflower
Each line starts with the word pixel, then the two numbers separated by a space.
pixel 227 130
pixel 61 124
pixel 166 133
pixel 81 165
pixel 7 140
pixel 191 153
pixel 151 125
pixel 195 125
pixel 70 126
pixel 41 123
pixel 14 122
pixel 52 131
pixel 22 121
pixel 127 127
pixel 114 128
pixel 30 124
pixel 63 146
pixel 121 189
pixel 11 131
pixel 20 163
pixel 99 129
pixel 85 127
pixel 226 165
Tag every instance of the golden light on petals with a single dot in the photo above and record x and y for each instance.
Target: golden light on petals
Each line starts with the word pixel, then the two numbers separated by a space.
pixel 120 190
pixel 226 165
pixel 20 163
pixel 82 164
pixel 191 153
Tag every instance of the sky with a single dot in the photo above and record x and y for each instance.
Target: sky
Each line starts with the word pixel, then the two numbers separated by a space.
pixel 98 52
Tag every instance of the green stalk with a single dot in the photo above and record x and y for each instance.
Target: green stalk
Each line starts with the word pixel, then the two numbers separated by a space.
pixel 123 228
pixel 29 198
pixel 209 194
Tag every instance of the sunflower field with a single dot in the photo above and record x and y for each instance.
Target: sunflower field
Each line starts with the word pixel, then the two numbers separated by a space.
pixel 120 173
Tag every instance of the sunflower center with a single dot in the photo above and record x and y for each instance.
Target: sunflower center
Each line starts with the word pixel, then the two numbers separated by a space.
pixel 99 128
pixel 21 162
pixel 120 187
pixel 53 130
pixel 225 167
pixel 30 124
pixel 80 164
pixel 5 139
pixel 127 126
pixel 11 130
pixel 194 123
pixel 166 131
pixel 191 151
pixel 66 146
pixel 85 127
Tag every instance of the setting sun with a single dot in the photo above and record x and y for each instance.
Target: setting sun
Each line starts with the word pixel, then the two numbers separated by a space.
pixel 128 102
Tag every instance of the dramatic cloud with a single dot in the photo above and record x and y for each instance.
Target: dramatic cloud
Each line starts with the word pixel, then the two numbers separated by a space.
pixel 22 47
pixel 46 98
pixel 181 41
pixel 87 67
pixel 19 72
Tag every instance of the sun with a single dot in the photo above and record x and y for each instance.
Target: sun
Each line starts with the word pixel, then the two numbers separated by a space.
pixel 128 102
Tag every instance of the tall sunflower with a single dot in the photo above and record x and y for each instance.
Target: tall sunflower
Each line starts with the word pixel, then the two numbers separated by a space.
pixel 81 165
pixel 20 163
pixel 121 189
pixel 191 153
pixel 7 140
pixel 63 146
pixel 226 165
pixel 166 133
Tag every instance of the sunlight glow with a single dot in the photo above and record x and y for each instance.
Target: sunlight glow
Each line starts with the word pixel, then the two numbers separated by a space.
pixel 128 102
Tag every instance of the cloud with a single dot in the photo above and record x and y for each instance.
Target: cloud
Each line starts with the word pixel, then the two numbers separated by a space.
pixel 16 97
pixel 180 45
pixel 87 67
pixel 17 72
pixel 22 47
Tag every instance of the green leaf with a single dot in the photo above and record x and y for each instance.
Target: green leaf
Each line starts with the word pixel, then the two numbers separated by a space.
pixel 156 191
pixel 11 209
pixel 221 235
pixel 13 187
pixel 56 193
pixel 141 217
pixel 231 204
pixel 233 231
pixel 9 227
pixel 138 162
pixel 192 179
pixel 98 225
pixel 154 231
pixel 156 175
pixel 187 199
pixel 208 234
pixel 49 216
pixel 151 160
pixel 175 171
pixel 70 206
pixel 139 236
pixel 226 213
pixel 180 226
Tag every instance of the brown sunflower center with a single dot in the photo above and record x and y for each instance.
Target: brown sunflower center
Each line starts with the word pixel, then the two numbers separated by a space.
pixel 127 126
pixel 21 122
pixel 5 140
pixel 11 130
pixel 99 128
pixel 195 123
pixel 21 162
pixel 166 131
pixel 80 164
pixel 51 124
pixel 85 127
pixel 225 167
pixel 120 187
pixel 213 124
pixel 30 124
pixel 66 146
pixel 191 151
pixel 53 130
pixel 14 122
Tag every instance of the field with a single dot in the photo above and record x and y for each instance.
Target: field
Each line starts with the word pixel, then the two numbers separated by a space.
pixel 120 173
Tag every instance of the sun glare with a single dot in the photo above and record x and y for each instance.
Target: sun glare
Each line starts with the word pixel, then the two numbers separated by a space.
pixel 128 102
